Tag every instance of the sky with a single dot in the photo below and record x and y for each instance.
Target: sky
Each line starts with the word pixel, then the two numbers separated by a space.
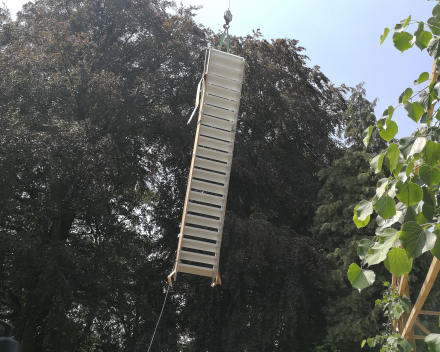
pixel 340 36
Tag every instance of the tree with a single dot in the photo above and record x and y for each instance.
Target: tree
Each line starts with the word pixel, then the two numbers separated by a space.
pixel 350 317
pixel 85 86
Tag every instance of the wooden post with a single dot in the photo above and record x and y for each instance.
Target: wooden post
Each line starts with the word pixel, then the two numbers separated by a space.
pixel 404 290
pixel 424 292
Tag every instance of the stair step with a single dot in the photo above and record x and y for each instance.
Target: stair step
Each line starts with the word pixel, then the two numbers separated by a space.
pixel 200 245
pixel 206 198
pixel 222 93
pixel 209 131
pixel 196 232
pixel 210 176
pixel 224 72
pixel 215 143
pixel 220 113
pixel 197 270
pixel 209 187
pixel 197 257
pixel 202 221
pixel 220 103
pixel 221 58
pixel 211 165
pixel 205 209
pixel 213 154
pixel 214 80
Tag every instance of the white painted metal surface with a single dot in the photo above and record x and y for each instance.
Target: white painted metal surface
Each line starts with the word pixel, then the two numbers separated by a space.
pixel 204 211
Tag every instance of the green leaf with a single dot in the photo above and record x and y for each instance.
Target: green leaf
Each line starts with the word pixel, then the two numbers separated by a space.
pixel 358 222
pixel 405 346
pixel 409 193
pixel 433 341
pixel 363 247
pixel 402 41
pixel 381 186
pixel 376 256
pixel 389 131
pixel 376 163
pixel 363 343
pixel 399 27
pixel 397 310
pixel 434 25
pixel 360 278
pixel 428 197
pixel 429 175
pixel 371 342
pixel 428 214
pixel 416 240
pixel 397 171
pixel 385 207
pixel 424 119
pixel 422 37
pixel 433 48
pixel 424 76
pixel 384 36
pixel 367 135
pixel 436 250
pixel 415 110
pixel 433 92
pixel 425 100
pixel 405 145
pixel 431 154
pixel 411 145
pixel 429 205
pixel 393 155
pixel 409 168
pixel 390 111
pixel 436 11
pixel 410 215
pixel 364 209
pixel 392 188
pixel 403 99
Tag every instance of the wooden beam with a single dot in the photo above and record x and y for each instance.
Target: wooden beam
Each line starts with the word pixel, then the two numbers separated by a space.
pixel 420 325
pixel 427 312
pixel 402 285
pixel 404 290
pixel 393 282
pixel 419 337
pixel 427 285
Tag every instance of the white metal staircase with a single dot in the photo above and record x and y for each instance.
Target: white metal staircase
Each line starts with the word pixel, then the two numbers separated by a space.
pixel 204 211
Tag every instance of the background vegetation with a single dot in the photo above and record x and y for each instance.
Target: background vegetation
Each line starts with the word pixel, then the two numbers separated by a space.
pixel 94 158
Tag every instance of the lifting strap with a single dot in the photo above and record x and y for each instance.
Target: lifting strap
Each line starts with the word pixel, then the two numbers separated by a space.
pixel 228 18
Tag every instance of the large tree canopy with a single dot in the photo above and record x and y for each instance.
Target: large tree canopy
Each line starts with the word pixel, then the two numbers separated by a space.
pixel 94 158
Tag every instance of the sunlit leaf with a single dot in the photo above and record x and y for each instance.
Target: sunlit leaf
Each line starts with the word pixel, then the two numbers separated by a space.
pixel 385 207
pixel 416 240
pixel 384 36
pixel 360 278
pixel 424 76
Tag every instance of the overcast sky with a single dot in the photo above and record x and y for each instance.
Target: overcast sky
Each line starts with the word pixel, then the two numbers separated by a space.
pixel 341 36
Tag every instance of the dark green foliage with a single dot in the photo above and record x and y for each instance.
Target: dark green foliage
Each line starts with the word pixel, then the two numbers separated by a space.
pixel 350 315
pixel 358 116
pixel 85 87
pixel 94 157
